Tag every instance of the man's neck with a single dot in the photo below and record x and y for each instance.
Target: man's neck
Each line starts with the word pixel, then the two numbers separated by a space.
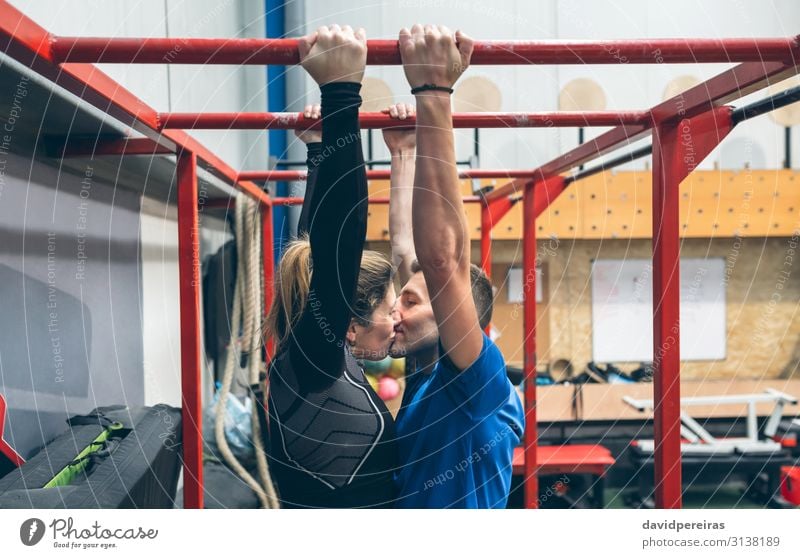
pixel 426 359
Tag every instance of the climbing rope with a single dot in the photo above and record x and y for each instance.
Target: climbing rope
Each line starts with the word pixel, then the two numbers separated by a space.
pixel 246 317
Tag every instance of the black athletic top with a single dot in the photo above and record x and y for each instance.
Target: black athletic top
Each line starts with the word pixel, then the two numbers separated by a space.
pixel 332 440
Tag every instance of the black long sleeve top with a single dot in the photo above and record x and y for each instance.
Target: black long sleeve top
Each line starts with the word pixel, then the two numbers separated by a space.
pixel 332 440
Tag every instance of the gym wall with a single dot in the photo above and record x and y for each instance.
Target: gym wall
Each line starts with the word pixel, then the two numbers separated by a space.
pixel 70 285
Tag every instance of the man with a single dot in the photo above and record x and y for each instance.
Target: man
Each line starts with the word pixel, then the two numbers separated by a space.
pixel 461 418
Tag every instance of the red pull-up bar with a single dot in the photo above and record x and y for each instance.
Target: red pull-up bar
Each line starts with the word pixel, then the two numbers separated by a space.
pixel 378 200
pixel 385 52
pixel 373 120
pixel 381 174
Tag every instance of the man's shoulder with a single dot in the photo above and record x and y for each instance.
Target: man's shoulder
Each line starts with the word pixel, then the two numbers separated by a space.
pixel 490 355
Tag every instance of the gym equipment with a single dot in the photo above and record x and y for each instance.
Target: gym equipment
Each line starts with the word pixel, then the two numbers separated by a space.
pixel 790 484
pixel 561 370
pixel 113 457
pixel 757 457
pixel 388 388
pixel 565 465
pixel 377 367
pixel 701 109
pixel 246 316
pixel 9 458
pixel 398 368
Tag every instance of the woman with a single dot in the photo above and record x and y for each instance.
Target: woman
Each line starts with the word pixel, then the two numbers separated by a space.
pixel 331 437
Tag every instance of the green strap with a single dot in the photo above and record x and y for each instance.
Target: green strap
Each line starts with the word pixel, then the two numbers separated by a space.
pixel 68 474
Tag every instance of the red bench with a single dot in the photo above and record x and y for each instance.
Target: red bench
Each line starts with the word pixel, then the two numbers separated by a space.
pixel 578 459
pixel 588 459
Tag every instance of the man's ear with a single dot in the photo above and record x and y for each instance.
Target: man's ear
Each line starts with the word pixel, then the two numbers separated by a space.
pixel 351 333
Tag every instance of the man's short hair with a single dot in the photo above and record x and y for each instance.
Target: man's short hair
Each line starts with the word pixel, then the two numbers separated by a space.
pixel 482 293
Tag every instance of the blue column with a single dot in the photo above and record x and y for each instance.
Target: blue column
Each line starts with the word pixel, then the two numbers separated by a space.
pixel 276 102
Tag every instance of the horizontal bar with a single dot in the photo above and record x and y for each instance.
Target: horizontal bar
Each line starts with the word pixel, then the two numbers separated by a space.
pixel 608 165
pixel 303 163
pixel 731 84
pixel 94 147
pixel 375 120
pixel 30 44
pixel 379 174
pixel 738 115
pixel 386 52
pixel 373 200
pixel 766 397
pixel 774 102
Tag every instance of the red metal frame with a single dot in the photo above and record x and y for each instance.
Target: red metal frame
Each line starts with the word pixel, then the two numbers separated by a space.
pixel 5 449
pixel 376 120
pixel 379 174
pixel 268 256
pixel 191 372
pixel 529 343
pixel 62 60
pixel 30 44
pixel 95 147
pixel 491 213
pixel 373 200
pixel 677 149
pixel 283 52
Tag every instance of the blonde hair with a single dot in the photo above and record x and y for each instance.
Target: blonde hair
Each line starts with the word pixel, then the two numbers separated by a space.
pixel 293 283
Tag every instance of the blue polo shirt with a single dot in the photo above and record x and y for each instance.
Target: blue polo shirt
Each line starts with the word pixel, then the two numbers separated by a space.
pixel 456 433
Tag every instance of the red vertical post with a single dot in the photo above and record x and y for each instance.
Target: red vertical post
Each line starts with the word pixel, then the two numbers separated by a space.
pixel 678 147
pixel 667 171
pixel 189 286
pixel 531 482
pixel 268 256
pixel 486 239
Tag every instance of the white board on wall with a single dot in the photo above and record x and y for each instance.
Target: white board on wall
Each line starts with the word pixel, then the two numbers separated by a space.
pixel 516 288
pixel 622 310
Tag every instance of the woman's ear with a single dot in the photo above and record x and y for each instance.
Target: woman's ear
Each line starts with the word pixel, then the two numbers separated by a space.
pixel 351 333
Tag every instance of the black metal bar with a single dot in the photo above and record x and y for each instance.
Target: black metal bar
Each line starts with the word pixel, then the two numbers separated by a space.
pixel 369 149
pixel 581 139
pixel 787 146
pixel 622 159
pixel 738 115
pixel 766 105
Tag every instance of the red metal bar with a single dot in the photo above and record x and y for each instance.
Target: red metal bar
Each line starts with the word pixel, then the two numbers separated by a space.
pixel 385 52
pixel 95 147
pixel 546 192
pixel 491 213
pixel 5 448
pixel 732 84
pixel 30 44
pixel 486 240
pixel 191 379
pixel 378 174
pixel 677 149
pixel 531 481
pixel 376 200
pixel 499 208
pixel 268 256
pixel 375 120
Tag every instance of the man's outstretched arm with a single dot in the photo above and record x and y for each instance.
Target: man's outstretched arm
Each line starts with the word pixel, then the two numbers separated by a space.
pixel 401 144
pixel 432 56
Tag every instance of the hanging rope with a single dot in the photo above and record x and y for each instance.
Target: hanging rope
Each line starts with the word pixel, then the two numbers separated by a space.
pixel 246 317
